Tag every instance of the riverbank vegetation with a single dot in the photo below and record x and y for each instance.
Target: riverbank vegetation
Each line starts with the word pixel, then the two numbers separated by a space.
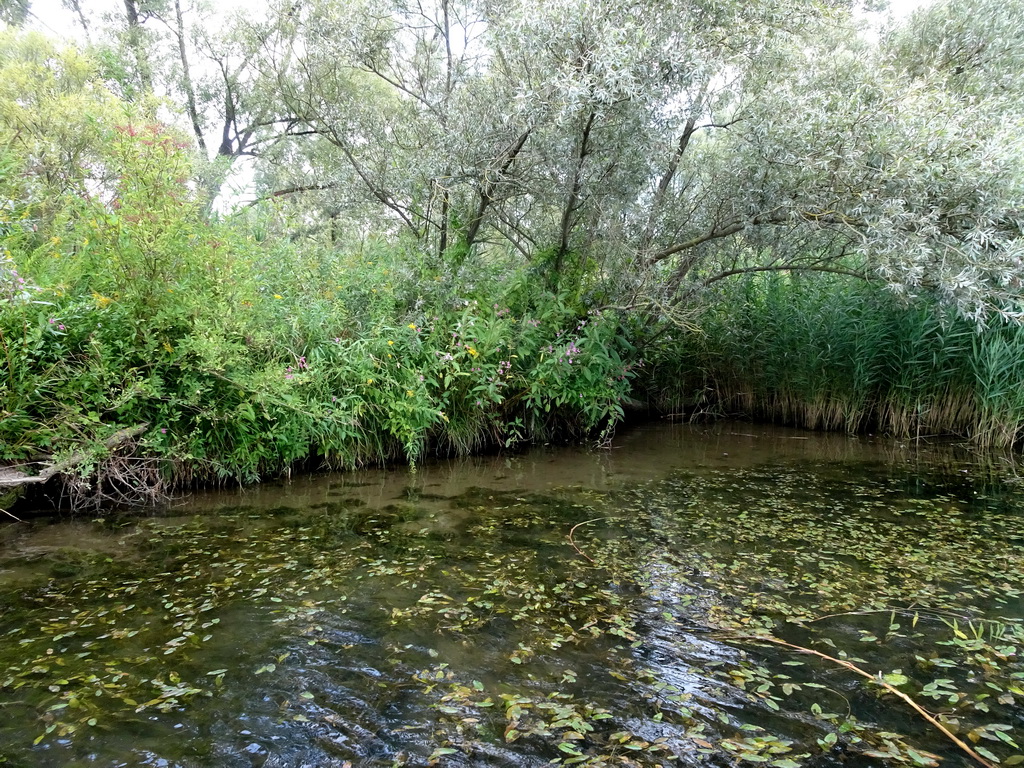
pixel 477 224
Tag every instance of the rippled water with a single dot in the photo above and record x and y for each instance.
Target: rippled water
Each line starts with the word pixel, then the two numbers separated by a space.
pixel 599 608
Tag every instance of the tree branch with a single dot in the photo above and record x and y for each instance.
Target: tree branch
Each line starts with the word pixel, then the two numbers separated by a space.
pixel 877 679
pixel 773 217
pixel 190 92
pixel 489 187
pixel 573 199
pixel 786 267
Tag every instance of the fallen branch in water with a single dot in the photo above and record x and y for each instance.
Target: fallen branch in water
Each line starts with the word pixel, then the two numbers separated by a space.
pixel 875 679
pixel 14 479
pixel 12 516
pixel 573 543
pixel 929 612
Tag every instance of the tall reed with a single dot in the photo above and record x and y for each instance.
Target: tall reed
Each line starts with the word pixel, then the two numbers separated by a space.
pixel 841 354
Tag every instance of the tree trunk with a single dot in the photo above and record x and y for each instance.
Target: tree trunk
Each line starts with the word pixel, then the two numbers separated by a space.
pixel 190 93
pixel 137 45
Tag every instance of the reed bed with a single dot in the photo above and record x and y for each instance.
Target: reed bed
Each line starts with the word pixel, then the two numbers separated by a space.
pixel 842 355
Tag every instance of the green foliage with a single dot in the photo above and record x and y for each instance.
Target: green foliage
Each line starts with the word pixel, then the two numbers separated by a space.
pixel 840 354
pixel 246 352
pixel 273 337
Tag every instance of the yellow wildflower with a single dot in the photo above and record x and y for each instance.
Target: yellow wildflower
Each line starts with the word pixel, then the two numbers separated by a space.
pixel 411 325
pixel 473 352
pixel 391 343
pixel 369 381
pixel 409 393
pixel 168 347
pixel 101 301
pixel 278 296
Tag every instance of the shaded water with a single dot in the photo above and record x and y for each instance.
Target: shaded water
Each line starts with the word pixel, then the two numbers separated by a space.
pixel 599 608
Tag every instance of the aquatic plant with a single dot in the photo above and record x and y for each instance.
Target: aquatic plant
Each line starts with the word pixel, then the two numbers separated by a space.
pixel 779 615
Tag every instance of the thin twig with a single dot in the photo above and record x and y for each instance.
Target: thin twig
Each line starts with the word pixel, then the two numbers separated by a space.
pixel 573 543
pixel 901 611
pixel 12 516
pixel 876 679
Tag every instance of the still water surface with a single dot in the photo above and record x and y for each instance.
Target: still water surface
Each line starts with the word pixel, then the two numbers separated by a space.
pixel 589 607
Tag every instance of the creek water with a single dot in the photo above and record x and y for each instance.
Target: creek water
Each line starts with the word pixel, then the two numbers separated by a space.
pixel 691 596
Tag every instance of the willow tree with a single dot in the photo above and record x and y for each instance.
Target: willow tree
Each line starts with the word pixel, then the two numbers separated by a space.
pixel 670 145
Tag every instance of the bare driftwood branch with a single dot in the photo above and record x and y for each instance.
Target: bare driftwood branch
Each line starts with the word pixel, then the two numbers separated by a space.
pixel 572 543
pixel 877 679
pixel 15 478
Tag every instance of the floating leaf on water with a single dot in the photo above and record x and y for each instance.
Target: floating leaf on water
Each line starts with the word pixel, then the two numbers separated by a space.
pixel 986 753
pixel 895 678
pixel 441 752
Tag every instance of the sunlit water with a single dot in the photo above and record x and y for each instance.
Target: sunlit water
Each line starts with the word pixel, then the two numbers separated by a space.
pixel 594 607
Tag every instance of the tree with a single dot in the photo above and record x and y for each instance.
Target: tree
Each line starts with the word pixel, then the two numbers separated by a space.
pixel 664 147
pixel 14 12
pixel 674 145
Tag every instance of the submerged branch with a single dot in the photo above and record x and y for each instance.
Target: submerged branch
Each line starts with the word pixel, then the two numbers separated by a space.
pixel 572 543
pixel 877 679
pixel 12 516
